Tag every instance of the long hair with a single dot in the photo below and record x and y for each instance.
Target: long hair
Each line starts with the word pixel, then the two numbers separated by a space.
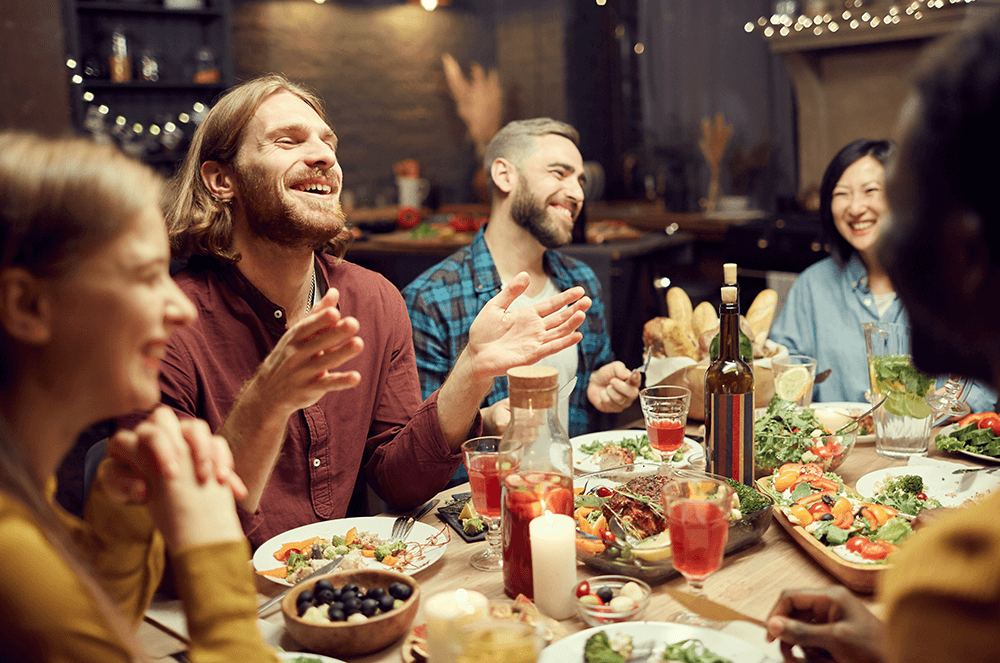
pixel 882 151
pixel 199 224
pixel 60 199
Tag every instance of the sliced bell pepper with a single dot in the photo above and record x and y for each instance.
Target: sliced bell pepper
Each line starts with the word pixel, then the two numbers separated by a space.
pixel 975 418
pixel 841 506
pixel 809 499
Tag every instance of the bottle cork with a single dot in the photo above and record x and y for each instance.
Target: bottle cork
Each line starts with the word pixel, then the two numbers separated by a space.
pixel 729 294
pixel 533 387
pixel 729 273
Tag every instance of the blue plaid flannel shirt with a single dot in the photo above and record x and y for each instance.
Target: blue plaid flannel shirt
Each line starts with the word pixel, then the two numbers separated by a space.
pixel 444 300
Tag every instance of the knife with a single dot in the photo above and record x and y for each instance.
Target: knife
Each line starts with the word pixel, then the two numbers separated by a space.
pixel 326 569
pixel 709 608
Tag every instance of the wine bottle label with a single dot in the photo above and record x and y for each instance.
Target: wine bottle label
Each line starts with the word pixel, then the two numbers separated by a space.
pixel 730 435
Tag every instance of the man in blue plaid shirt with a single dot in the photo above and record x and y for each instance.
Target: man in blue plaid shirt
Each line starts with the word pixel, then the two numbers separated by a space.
pixel 536 178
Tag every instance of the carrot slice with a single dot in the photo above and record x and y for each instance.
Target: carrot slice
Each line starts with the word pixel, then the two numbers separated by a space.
pixel 298 546
pixel 351 536
pixel 281 572
pixel 390 560
pixel 365 552
pixel 589 546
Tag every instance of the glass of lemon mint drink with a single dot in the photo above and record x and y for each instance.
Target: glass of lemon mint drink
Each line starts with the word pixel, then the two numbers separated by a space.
pixel 903 424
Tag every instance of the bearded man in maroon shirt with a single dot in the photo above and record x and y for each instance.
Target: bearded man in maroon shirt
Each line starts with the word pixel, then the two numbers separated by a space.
pixel 302 361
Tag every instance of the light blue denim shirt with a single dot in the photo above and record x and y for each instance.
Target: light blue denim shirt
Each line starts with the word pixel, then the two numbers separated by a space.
pixel 822 318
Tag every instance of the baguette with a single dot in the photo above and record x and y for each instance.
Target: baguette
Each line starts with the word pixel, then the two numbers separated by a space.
pixel 679 309
pixel 761 314
pixel 667 338
pixel 704 319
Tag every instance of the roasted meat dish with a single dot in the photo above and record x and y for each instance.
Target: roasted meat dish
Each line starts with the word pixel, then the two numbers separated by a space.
pixel 638 506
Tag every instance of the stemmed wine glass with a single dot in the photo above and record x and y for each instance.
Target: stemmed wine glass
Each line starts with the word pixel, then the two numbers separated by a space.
pixel 697 508
pixel 947 404
pixel 480 456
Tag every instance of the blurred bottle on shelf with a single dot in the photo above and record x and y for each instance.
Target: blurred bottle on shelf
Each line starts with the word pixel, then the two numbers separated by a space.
pixel 149 65
pixel 206 70
pixel 119 63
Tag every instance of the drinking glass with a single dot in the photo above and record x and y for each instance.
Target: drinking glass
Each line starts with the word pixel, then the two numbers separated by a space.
pixel 697 508
pixel 480 456
pixel 793 378
pixel 949 404
pixel 491 640
pixel 665 411
pixel 903 424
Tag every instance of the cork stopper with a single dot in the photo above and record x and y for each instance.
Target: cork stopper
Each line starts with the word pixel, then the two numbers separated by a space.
pixel 533 387
pixel 728 294
pixel 729 273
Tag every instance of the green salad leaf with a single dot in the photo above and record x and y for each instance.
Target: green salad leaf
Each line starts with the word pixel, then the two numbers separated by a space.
pixel 639 445
pixel 970 438
pixel 598 650
pixel 772 446
pixel 691 651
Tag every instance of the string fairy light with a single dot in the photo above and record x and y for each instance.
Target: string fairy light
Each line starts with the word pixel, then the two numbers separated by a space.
pixel 802 25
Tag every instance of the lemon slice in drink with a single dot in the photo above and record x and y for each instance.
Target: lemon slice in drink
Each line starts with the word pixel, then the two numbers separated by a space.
pixel 793 383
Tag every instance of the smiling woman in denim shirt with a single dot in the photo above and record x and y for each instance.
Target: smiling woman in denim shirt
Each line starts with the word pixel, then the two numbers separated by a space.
pixel 824 310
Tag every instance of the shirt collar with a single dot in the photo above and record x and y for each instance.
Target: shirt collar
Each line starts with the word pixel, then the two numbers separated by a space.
pixel 273 316
pixel 484 272
pixel 857 274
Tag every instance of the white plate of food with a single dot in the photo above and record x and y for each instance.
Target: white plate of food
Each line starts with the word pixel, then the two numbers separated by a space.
pixel 305 657
pixel 841 413
pixel 661 634
pixel 583 461
pixel 425 544
pixel 951 490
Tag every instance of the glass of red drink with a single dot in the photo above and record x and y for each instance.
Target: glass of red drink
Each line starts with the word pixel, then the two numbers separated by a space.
pixel 665 410
pixel 697 508
pixel 480 455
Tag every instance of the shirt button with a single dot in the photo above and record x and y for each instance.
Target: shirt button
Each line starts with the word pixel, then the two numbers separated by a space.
pixel 316 462
pixel 277 314
pixel 868 302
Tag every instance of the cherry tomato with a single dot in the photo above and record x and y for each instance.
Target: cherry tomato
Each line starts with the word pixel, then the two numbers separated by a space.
pixel 608 535
pixel 921 496
pixel 582 589
pixel 875 550
pixel 604 491
pixel 855 543
pixel 992 421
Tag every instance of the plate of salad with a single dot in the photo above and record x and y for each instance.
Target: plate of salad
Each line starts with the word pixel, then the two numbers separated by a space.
pixel 976 436
pixel 603 450
pixel 787 433
pixel 616 643
pixel 939 483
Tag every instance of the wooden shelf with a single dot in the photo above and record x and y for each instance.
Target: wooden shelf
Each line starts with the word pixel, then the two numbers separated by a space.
pixel 138 8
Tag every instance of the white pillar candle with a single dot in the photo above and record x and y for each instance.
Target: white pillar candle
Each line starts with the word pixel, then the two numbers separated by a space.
pixel 553 563
pixel 446 613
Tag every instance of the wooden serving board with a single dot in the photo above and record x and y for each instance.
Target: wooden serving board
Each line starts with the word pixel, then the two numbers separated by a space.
pixel 861 578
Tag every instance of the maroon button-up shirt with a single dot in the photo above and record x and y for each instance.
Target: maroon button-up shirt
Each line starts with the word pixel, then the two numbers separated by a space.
pixel 379 430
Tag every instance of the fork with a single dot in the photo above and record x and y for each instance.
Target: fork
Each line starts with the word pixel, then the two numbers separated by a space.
pixel 646 356
pixel 401 528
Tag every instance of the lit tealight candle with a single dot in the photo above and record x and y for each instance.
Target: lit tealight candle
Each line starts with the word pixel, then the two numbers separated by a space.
pixel 553 563
pixel 446 614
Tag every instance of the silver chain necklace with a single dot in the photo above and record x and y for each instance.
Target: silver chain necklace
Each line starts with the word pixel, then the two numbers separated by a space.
pixel 312 294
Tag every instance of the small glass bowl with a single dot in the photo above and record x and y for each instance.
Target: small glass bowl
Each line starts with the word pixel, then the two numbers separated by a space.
pixel 597 615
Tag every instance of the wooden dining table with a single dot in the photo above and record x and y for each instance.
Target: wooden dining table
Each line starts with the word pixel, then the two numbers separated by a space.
pixel 750 580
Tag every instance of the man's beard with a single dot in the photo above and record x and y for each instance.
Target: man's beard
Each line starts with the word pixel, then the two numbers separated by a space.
pixel 270 216
pixel 532 215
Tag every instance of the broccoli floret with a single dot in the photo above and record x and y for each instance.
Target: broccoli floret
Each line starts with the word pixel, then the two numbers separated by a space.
pixel 382 552
pixel 598 650
pixel 397 546
pixel 910 483
pixel 341 550
pixel 338 541
pixel 297 560
pixel 750 500
pixel 473 525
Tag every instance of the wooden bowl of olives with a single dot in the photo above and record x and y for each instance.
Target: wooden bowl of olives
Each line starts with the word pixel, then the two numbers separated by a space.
pixel 348 613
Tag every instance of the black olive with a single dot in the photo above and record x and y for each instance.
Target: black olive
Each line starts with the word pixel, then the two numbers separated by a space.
pixel 827 500
pixel 322 584
pixel 346 596
pixel 352 606
pixel 369 607
pixel 324 596
pixel 350 587
pixel 605 594
pixel 336 614
pixel 337 605
pixel 337 594
pixel 317 551
pixel 306 596
pixel 386 603
pixel 375 593
pixel 400 591
pixel 302 607
pixel 826 516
